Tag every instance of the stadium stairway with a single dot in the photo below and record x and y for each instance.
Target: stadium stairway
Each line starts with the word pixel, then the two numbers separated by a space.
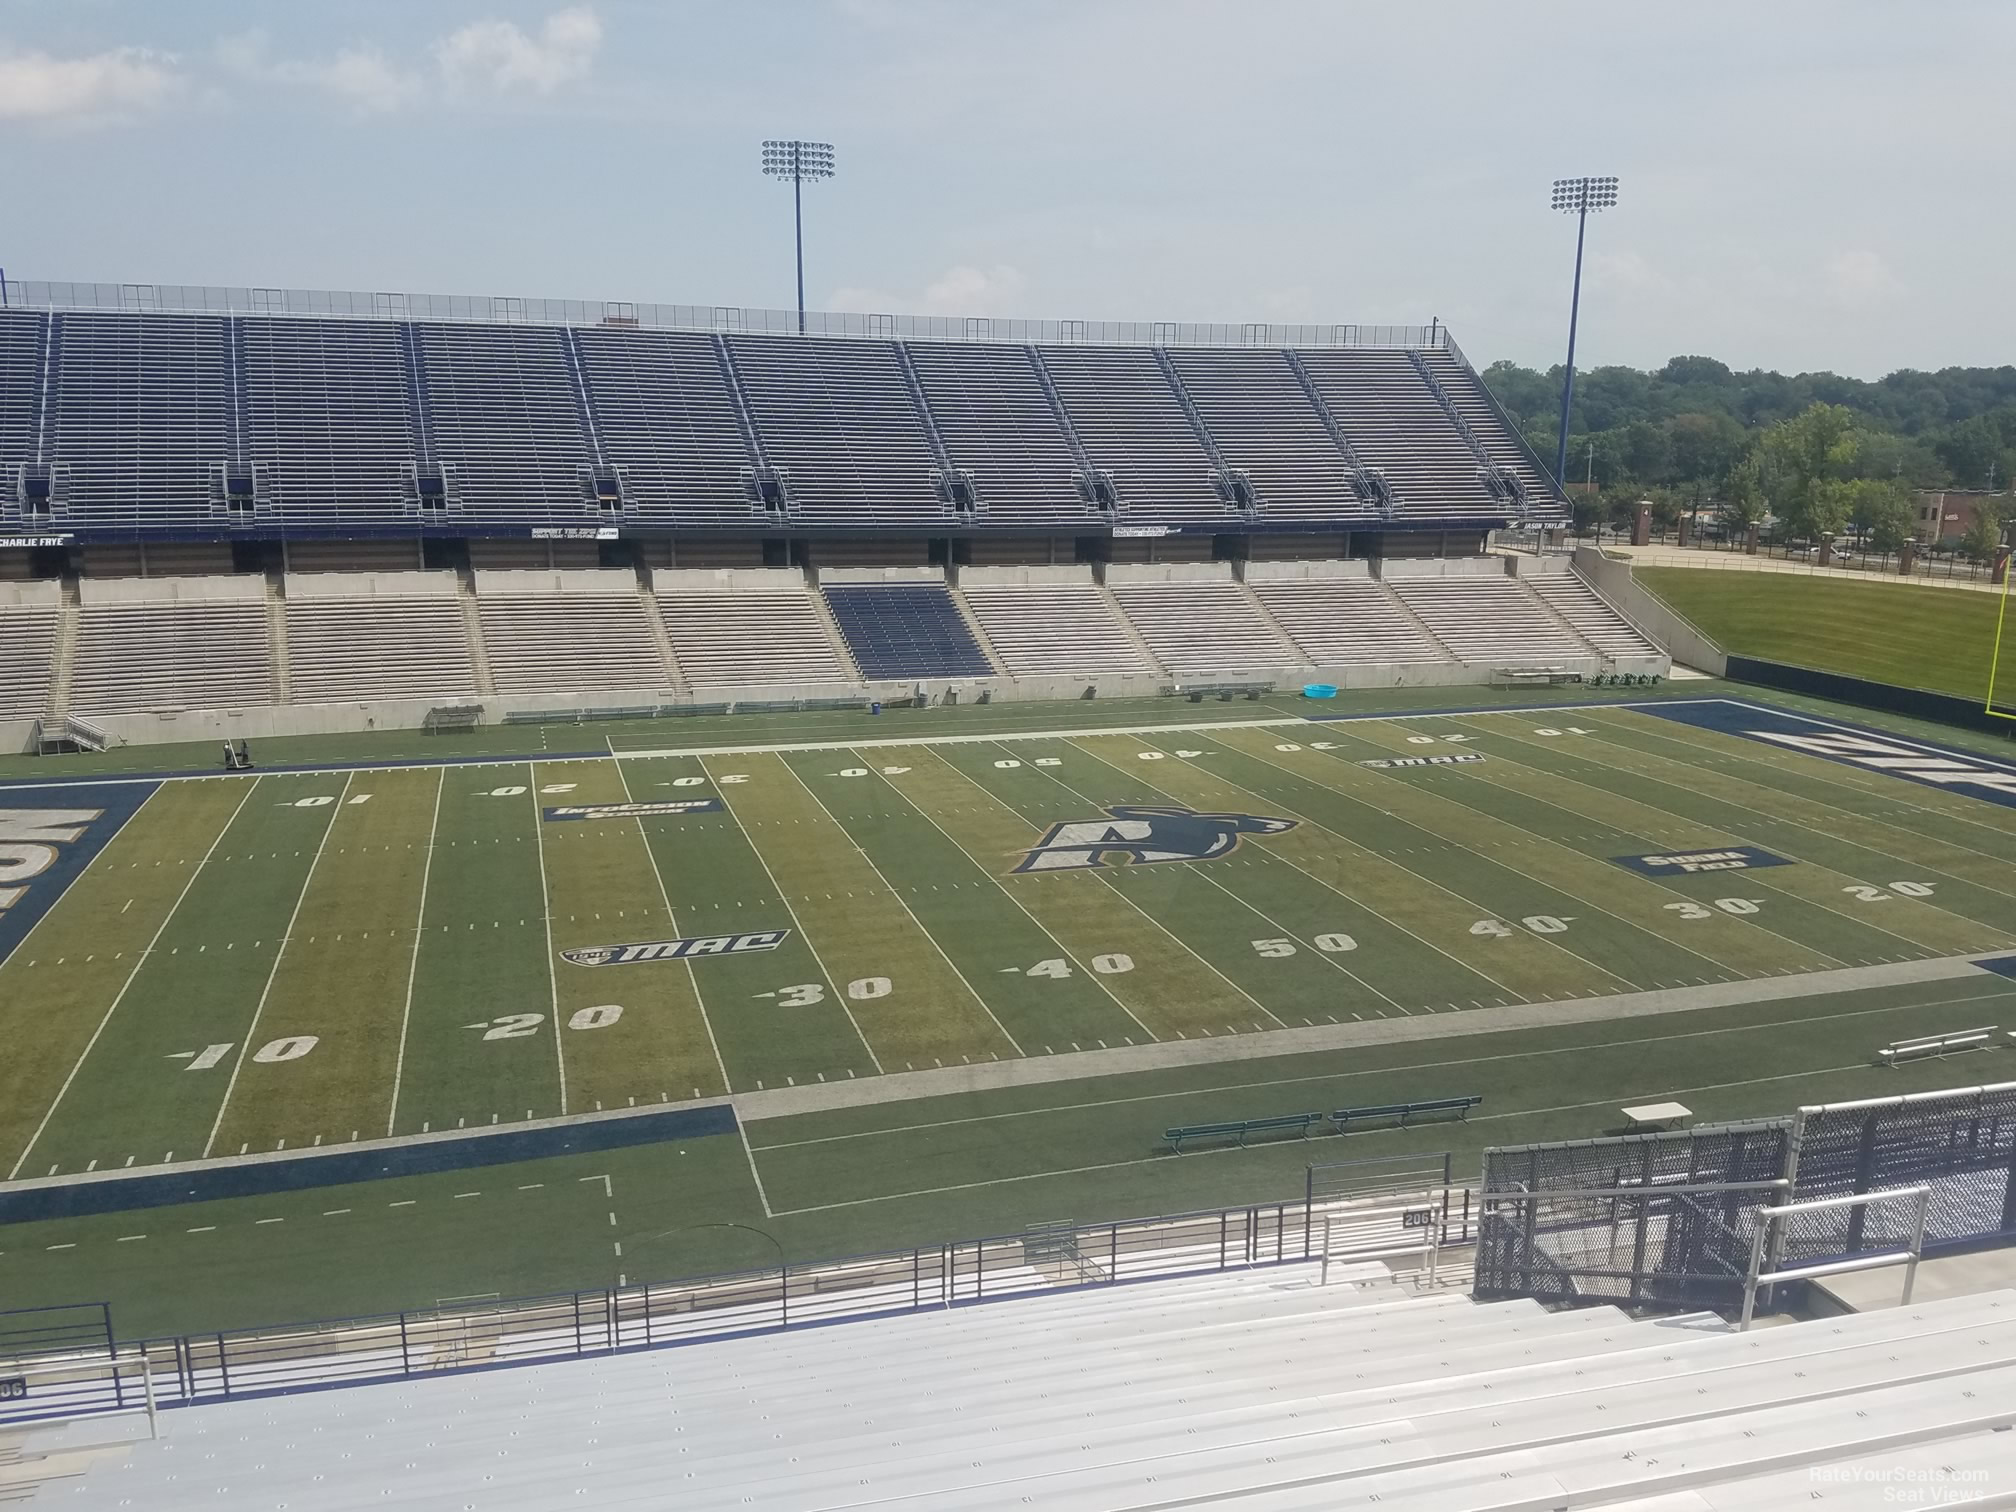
pixel 1255 1389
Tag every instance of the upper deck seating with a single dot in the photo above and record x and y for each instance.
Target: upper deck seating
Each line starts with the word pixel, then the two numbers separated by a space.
pixel 1264 426
pixel 997 424
pixel 329 418
pixel 507 417
pixel 1466 392
pixel 905 630
pixel 665 416
pixel 1395 425
pixel 1131 425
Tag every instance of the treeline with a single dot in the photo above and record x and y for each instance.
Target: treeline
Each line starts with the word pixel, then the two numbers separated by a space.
pixel 1813 453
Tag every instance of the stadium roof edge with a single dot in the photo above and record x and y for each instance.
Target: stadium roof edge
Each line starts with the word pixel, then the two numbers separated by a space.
pixel 202 299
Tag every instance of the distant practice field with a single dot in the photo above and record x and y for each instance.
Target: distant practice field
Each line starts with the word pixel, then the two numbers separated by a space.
pixel 1914 637
pixel 265 963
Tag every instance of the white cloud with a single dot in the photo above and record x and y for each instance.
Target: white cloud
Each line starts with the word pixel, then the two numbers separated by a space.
pixel 103 87
pixel 960 290
pixel 1859 277
pixel 362 77
pixel 499 55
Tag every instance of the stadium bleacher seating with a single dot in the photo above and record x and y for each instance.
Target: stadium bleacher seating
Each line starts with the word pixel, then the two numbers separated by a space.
pixel 1131 425
pixel 1485 422
pixel 1343 619
pixel 1487 619
pixel 567 632
pixel 905 629
pixel 1044 622
pixel 997 424
pixel 746 626
pixel 507 417
pixel 328 420
pixel 1198 621
pixel 1264 427
pixel 367 636
pixel 1395 425
pixel 1249 1389
pixel 163 644
pixel 837 418
pixel 1591 615
pixel 29 617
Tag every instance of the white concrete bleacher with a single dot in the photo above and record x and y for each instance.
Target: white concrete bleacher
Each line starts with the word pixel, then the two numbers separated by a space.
pixel 568 632
pixel 1050 621
pixel 746 627
pixel 1253 1389
pixel 171 644
pixel 1482 616
pixel 1198 620
pixel 377 635
pixel 1340 615
pixel 30 614
pixel 1590 613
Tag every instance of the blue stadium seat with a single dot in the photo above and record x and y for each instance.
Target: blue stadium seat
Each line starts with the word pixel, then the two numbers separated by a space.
pixel 900 630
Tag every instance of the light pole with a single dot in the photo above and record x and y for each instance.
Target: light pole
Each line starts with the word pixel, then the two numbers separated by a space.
pixel 798 162
pixel 1579 197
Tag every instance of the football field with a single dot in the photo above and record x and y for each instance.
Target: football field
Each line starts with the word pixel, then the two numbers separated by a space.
pixel 209 968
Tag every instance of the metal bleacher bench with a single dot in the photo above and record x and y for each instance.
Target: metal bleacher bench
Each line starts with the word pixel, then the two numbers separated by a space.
pixel 1460 1106
pixel 1936 1044
pixel 1240 1128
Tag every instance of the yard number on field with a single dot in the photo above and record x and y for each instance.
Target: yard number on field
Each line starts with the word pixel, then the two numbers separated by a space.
pixel 1332 944
pixel 519 1025
pixel 1057 968
pixel 1863 893
pixel 287 1048
pixel 1543 924
pixel 1727 905
pixel 805 994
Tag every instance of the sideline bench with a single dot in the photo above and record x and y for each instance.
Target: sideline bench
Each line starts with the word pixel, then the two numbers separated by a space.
pixel 1460 1106
pixel 1664 1115
pixel 1224 692
pixel 1936 1044
pixel 1240 1128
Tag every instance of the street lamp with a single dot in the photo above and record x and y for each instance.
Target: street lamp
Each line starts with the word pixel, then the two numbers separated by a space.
pixel 1579 197
pixel 798 162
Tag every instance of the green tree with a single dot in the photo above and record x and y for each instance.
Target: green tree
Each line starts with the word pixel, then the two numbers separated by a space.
pixel 1983 536
pixel 1743 502
pixel 1807 461
pixel 1884 512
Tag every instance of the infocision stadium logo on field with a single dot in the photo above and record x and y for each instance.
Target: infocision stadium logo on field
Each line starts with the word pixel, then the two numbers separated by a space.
pixel 1144 834
pixel 669 807
pixel 1729 858
pixel 45 844
pixel 1914 761
pixel 675 950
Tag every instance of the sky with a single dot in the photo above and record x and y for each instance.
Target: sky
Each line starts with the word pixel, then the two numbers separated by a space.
pixel 1804 186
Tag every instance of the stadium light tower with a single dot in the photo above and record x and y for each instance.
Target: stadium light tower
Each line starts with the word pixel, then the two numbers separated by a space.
pixel 798 162
pixel 1579 197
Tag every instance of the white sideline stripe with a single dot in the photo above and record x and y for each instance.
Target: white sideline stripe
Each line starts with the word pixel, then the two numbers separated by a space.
pixel 279 955
pixel 126 986
pixel 880 743
pixel 413 969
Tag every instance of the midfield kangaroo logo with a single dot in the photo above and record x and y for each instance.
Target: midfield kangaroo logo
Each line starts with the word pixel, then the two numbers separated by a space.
pixel 1144 834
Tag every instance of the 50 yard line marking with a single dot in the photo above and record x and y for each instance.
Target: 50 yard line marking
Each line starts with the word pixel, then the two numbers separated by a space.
pixel 279 955
pixel 167 919
pixel 413 969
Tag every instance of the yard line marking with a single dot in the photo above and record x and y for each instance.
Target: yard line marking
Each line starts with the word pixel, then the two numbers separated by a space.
pixel 846 835
pixel 546 910
pixel 139 961
pixel 1546 940
pixel 1763 878
pixel 1010 893
pixel 665 897
pixel 413 968
pixel 755 1175
pixel 252 1029
pixel 1272 923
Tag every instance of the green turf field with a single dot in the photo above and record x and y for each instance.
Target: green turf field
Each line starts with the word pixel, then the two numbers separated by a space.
pixel 258 964
pixel 1939 639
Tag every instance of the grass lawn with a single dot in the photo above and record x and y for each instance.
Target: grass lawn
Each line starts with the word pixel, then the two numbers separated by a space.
pixel 1934 638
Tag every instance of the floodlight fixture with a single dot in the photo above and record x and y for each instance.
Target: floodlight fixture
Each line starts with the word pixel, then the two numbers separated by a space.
pixel 801 163
pixel 1581 198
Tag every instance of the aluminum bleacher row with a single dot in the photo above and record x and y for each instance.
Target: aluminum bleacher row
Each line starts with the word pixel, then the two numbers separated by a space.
pixel 1258 1390
pixel 139 421
pixel 163 645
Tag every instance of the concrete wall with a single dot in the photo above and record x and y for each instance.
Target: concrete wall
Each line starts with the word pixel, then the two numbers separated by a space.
pixel 1079 575
pixel 557 580
pixel 1267 572
pixel 1441 567
pixel 33 595
pixel 1668 628
pixel 164 590
pixel 1169 572
pixel 353 585
pixel 727 580
pixel 881 575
